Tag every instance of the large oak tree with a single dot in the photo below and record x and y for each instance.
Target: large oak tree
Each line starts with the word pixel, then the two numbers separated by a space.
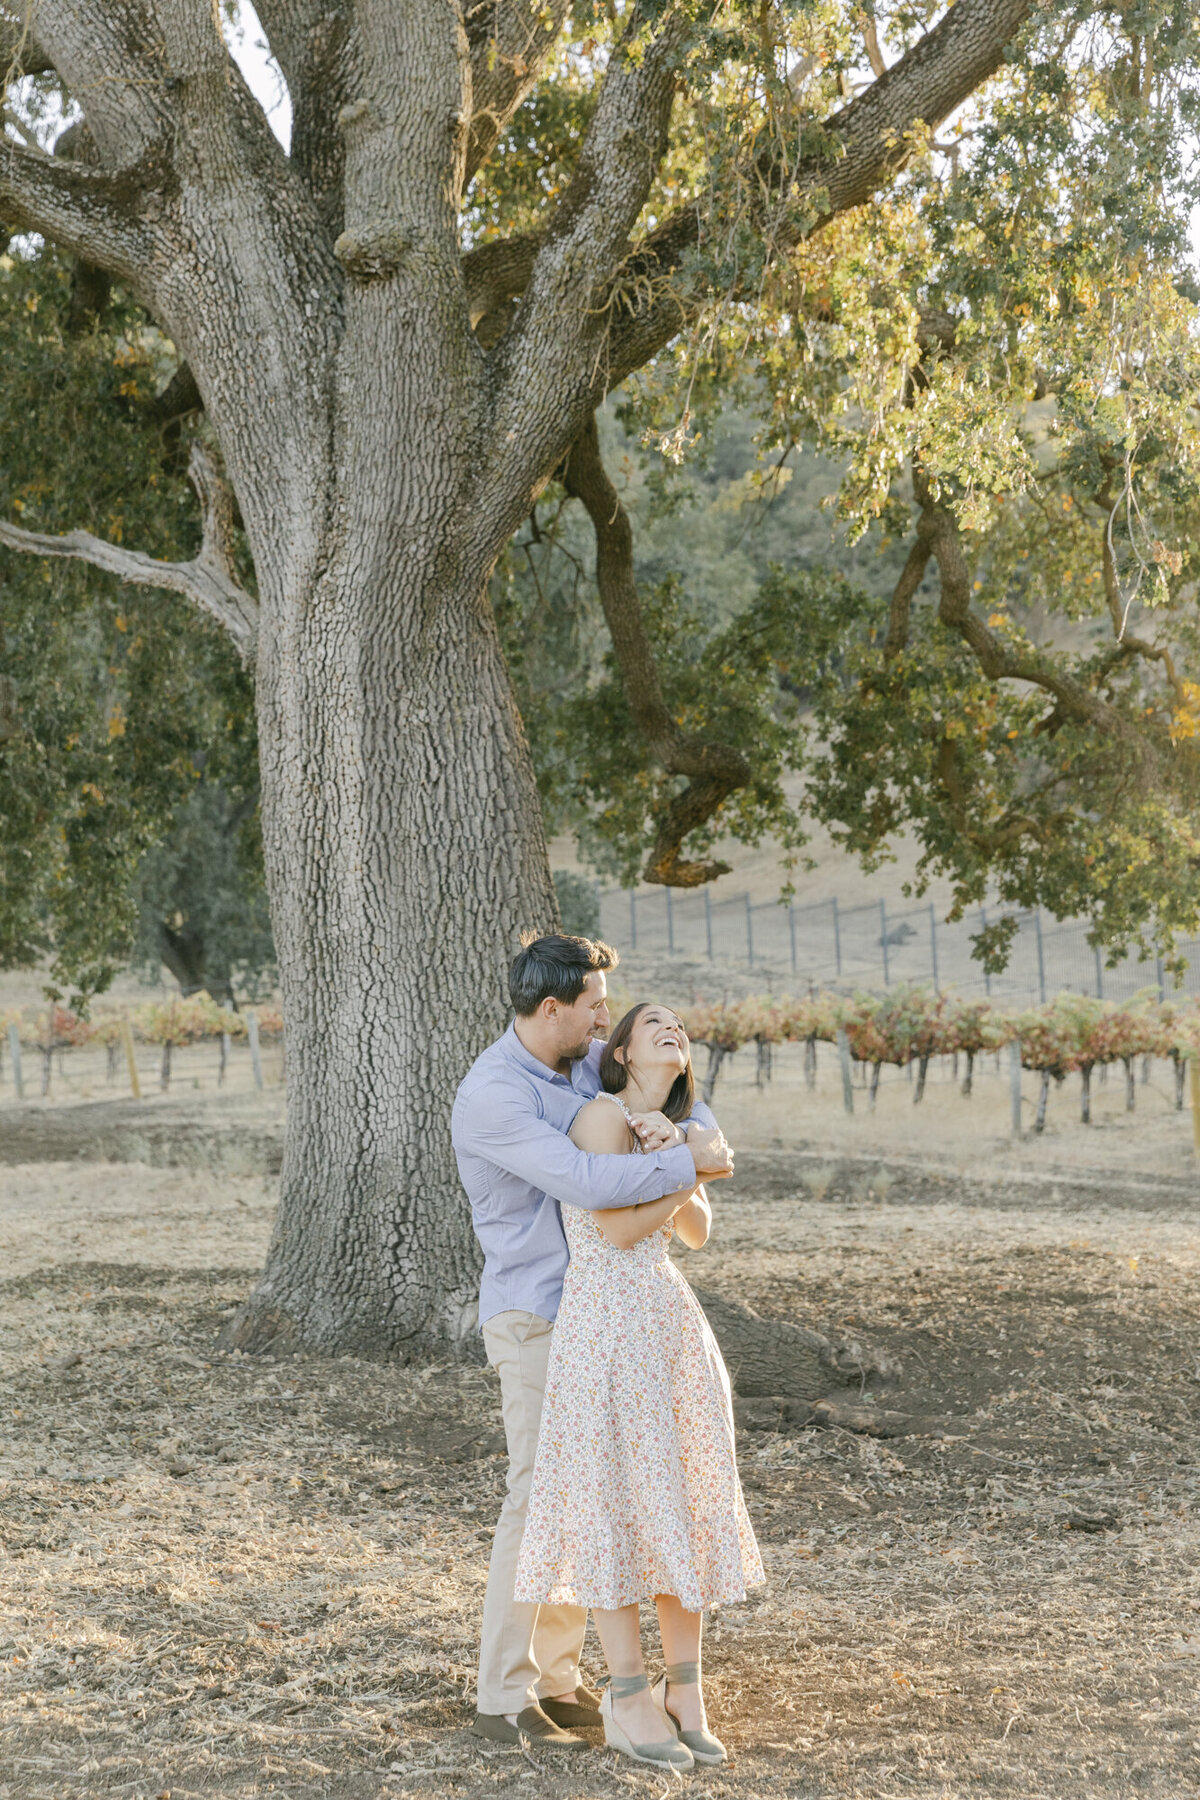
pixel 388 389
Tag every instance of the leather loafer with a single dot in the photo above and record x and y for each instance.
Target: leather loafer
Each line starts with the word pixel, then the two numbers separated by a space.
pixel 580 1714
pixel 533 1727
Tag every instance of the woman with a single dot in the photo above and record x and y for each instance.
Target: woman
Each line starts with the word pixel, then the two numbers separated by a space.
pixel 635 1490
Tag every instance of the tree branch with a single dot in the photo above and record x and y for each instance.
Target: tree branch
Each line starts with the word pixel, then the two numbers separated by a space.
pixel 20 52
pixel 999 662
pixel 109 57
pixel 713 769
pixel 499 270
pixel 91 212
pixel 510 41
pixel 548 369
pixel 210 579
pixel 314 45
pixel 869 140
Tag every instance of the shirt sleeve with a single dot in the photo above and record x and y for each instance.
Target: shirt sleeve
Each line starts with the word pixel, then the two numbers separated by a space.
pixel 505 1129
pixel 702 1115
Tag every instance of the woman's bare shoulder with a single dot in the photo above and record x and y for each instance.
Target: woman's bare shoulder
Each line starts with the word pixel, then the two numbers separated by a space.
pixel 600 1127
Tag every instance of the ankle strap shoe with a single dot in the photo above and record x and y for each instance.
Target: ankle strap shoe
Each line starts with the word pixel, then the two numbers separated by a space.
pixel 669 1754
pixel 705 1748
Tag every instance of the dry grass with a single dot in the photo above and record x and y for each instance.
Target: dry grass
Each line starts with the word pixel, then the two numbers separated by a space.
pixel 235 1578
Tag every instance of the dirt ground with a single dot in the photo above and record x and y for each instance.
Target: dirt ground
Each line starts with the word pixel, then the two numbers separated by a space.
pixel 239 1577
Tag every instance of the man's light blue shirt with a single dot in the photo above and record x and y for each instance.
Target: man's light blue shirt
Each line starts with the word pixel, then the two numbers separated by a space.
pixel 509 1129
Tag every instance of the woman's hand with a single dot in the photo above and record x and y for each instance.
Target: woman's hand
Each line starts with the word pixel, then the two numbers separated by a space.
pixel 657 1132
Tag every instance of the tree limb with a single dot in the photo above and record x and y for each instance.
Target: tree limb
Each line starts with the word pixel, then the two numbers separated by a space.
pixel 499 270
pixel 713 769
pixel 210 579
pixel 999 662
pixel 20 52
pixel 90 212
pixel 510 41
pixel 869 140
pixel 314 45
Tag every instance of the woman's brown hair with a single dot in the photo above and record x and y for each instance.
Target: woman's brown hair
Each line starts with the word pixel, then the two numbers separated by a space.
pixel 614 1074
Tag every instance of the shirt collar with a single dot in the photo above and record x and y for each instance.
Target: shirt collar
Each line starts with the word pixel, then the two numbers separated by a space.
pixel 526 1059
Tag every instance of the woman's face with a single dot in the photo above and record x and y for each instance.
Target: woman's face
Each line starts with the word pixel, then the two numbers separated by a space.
pixel 657 1042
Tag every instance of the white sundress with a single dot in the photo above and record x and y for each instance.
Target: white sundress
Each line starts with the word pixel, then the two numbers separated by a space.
pixel 635 1489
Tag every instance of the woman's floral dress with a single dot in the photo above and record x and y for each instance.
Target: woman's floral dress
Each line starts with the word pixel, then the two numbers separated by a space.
pixel 635 1488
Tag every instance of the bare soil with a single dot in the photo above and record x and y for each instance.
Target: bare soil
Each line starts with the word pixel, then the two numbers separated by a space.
pixel 237 1577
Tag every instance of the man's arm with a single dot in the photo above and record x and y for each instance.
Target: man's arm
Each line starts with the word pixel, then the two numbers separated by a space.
pixel 502 1126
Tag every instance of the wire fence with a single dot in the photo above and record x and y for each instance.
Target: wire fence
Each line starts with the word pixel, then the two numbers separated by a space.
pixel 872 944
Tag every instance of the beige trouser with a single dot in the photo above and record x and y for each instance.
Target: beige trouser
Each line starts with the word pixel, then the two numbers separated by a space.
pixel 525 1651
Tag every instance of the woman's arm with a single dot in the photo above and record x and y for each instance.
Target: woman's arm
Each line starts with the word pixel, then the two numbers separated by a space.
pixel 693 1221
pixel 600 1128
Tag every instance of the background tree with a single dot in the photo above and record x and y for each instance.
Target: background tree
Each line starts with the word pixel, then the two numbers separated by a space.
pixel 128 758
pixel 400 332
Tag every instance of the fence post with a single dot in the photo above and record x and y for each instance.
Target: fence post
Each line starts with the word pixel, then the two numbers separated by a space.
pixel 1158 970
pixel 887 981
pixel 837 939
pixel 226 1046
pixel 749 934
pixel 255 1057
pixel 1037 925
pixel 843 1044
pixel 14 1050
pixel 1014 1083
pixel 135 1086
pixel 708 921
pixel 632 920
pixel 1194 1073
pixel 670 924
pixel 792 932
pixel 1099 973
pixel 933 945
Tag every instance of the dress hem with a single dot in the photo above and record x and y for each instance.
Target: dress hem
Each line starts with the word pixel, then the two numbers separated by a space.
pixel 572 1596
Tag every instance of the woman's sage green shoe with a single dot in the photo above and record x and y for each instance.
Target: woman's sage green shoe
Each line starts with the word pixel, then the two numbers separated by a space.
pixel 669 1754
pixel 705 1748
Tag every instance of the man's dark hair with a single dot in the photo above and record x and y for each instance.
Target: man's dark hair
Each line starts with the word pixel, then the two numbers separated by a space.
pixel 555 967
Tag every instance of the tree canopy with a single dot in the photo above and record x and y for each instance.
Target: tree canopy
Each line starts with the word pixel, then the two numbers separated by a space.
pixel 997 357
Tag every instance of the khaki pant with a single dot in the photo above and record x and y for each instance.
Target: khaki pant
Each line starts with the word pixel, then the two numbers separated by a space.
pixel 525 1651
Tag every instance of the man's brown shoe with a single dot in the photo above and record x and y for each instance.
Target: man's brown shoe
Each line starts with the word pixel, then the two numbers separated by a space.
pixel 532 1727
pixel 580 1714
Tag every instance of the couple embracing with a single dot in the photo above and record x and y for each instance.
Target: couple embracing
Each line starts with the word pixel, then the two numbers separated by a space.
pixel 581 1158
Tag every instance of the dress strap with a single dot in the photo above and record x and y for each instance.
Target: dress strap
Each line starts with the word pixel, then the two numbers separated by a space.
pixel 617 1101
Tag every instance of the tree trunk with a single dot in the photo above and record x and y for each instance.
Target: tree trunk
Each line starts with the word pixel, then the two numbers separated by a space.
pixel 1130 1087
pixel 1085 1106
pixel 716 1056
pixel 405 855
pixel 969 1077
pixel 810 1062
pixel 1177 1060
pixel 164 1073
pixel 922 1071
pixel 875 1072
pixel 1043 1097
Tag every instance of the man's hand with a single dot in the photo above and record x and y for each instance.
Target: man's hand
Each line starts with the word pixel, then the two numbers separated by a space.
pixel 657 1132
pixel 710 1153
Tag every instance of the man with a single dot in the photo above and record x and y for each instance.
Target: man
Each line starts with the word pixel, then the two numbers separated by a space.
pixel 510 1123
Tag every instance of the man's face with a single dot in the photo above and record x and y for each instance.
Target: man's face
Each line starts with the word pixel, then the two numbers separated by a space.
pixel 588 1018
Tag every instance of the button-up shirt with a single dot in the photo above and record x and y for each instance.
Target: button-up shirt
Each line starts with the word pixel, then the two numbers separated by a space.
pixel 509 1129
